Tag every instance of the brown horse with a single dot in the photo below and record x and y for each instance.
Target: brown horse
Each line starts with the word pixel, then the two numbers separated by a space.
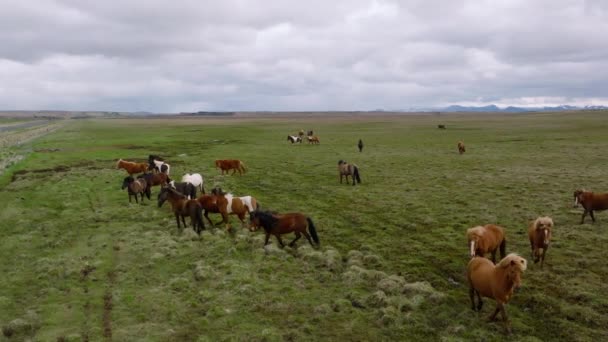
pixel 182 206
pixel 539 233
pixel 136 187
pixel 487 239
pixel 131 167
pixel 154 179
pixel 313 139
pixel 209 205
pixel 590 202
pixel 461 148
pixel 345 169
pixel 495 281
pixel 230 164
pixel 277 225
pixel 228 204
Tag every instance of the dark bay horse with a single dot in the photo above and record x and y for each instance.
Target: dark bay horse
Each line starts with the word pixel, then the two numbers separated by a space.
pixel 277 225
pixel 181 206
pixel 495 281
pixel 135 187
pixel 590 201
pixel 345 169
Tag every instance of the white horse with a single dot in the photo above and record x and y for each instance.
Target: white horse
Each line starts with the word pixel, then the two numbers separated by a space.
pixel 195 179
pixel 161 166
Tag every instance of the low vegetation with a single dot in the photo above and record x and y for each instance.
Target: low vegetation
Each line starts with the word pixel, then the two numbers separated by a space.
pixel 80 262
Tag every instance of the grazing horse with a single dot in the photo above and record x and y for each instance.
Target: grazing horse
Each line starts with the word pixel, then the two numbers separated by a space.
pixel 345 169
pixel 294 139
pixel 539 233
pixel 135 187
pixel 229 204
pixel 159 166
pixel 461 148
pixel 184 188
pixel 487 239
pixel 495 281
pixel 131 167
pixel 360 145
pixel 313 139
pixel 277 224
pixel 181 206
pixel 195 179
pixel 590 202
pixel 230 164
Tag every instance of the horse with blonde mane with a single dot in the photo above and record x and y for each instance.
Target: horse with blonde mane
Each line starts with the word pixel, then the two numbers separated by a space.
pixel 230 164
pixel 487 239
pixel 131 167
pixel 495 281
pixel 539 233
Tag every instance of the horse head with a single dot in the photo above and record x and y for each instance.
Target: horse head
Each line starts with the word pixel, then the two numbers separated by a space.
pixel 544 225
pixel 163 195
pixel 514 266
pixel 125 182
pixel 217 191
pixel 118 163
pixel 475 237
pixel 578 194
pixel 340 162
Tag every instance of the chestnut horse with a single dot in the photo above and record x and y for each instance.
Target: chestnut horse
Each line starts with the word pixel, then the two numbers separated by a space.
pixel 539 233
pixel 181 206
pixel 487 239
pixel 229 204
pixel 345 169
pixel 131 167
pixel 230 164
pixel 136 187
pixel 313 139
pixel 590 202
pixel 277 225
pixel 461 148
pixel 495 281
pixel 209 205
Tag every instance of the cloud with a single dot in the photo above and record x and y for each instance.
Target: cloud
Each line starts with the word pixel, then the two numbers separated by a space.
pixel 292 55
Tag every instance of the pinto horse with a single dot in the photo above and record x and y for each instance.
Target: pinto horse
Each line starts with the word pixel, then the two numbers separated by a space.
pixel 195 179
pixel 590 202
pixel 539 233
pixel 135 187
pixel 131 167
pixel 277 225
pixel 345 169
pixel 495 281
pixel 181 206
pixel 461 148
pixel 184 188
pixel 294 139
pixel 487 239
pixel 230 164
pixel 229 204
pixel 159 166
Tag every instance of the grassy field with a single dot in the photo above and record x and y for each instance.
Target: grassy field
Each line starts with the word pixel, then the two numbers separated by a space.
pixel 79 262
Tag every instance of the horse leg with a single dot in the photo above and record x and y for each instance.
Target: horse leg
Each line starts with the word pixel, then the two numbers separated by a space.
pixel 307 236
pixel 583 218
pixel 278 236
pixel 177 219
pixel 136 200
pixel 207 217
pixel 472 296
pixel 340 178
pixel 493 316
pixel 184 221
pixel 542 257
pixel 292 243
pixel 266 239
pixel 505 319
pixel 592 217
pixel 494 256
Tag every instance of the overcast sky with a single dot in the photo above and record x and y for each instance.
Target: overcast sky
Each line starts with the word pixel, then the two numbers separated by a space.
pixel 173 56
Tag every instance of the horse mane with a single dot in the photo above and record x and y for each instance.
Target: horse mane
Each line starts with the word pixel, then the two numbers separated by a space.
pixel 129 179
pixel 267 218
pixel 479 230
pixel 545 219
pixel 512 257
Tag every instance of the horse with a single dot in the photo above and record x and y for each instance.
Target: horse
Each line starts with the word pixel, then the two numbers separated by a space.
pixel 301 134
pixel 441 126
pixel 294 139
pixel 360 145
pixel 461 148
pixel 184 188
pixel 230 164
pixel 181 206
pixel 209 205
pixel 152 158
pixel 135 187
pixel 131 167
pixel 590 202
pixel 495 281
pixel 159 166
pixel 309 133
pixel 277 225
pixel 487 239
pixel 539 233
pixel 195 179
pixel 153 179
pixel 229 204
pixel 345 169
pixel 313 139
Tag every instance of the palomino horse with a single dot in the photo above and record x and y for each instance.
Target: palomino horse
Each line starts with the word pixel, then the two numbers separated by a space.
pixel 229 204
pixel 487 239
pixel 277 225
pixel 313 139
pixel 230 164
pixel 345 169
pixel 195 179
pixel 461 148
pixel 294 139
pixel 131 167
pixel 495 281
pixel 135 187
pixel 181 206
pixel 539 233
pixel 590 202
pixel 184 188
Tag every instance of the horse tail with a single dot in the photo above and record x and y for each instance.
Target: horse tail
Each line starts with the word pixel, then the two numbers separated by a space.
pixel 503 248
pixel 199 217
pixel 356 174
pixel 313 230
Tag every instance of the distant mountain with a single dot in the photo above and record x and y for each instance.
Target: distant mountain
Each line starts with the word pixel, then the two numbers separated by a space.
pixel 513 109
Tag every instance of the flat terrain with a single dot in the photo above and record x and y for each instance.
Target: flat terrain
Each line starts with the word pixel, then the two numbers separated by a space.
pixel 79 262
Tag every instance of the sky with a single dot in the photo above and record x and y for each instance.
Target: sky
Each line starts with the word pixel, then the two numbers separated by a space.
pixel 314 55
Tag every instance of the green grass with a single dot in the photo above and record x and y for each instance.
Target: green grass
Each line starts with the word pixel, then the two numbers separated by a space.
pixel 80 262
